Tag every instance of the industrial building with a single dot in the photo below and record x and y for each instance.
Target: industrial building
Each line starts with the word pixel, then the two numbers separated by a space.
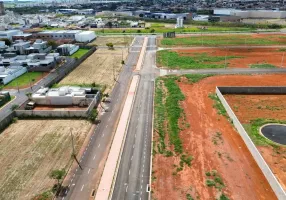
pixel 254 14
pixel 9 34
pixel 65 96
pixel 10 73
pixel 77 35
pixel 67 49
pixel 85 36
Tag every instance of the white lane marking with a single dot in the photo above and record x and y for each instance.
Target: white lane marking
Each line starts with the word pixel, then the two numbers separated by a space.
pixel 72 180
pixel 98 146
pixel 135 135
pixel 126 188
pixel 132 158
pixel 141 187
pixel 69 185
pixel 133 146
pixel 129 171
pixel 63 197
pixel 82 187
pixel 106 126
pixel 143 170
pixel 94 157
pixel 102 135
pixel 88 171
pixel 76 169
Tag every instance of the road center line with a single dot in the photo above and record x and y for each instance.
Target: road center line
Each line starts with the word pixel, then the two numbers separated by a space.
pixel 88 171
pixel 82 187
pixel 94 157
pixel 98 146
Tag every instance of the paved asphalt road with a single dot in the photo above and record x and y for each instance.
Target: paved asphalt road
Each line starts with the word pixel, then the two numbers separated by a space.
pixel 134 171
pixel 83 182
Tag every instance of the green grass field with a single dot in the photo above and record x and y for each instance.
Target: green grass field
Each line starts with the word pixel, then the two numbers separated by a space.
pixel 79 53
pixel 24 80
pixel 262 65
pixel 158 28
pixel 219 40
pixel 173 60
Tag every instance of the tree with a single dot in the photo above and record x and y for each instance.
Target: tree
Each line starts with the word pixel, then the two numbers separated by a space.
pixel 52 43
pixel 7 42
pixel 152 30
pixel 29 95
pixel 58 174
pixel 138 31
pixel 141 15
pixel 14 107
pixel 110 46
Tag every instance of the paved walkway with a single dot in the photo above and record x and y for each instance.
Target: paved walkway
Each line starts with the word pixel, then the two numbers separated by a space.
pixel 142 55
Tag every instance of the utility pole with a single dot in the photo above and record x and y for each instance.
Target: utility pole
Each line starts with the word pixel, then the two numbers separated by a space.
pixel 73 151
pixel 225 58
pixel 282 59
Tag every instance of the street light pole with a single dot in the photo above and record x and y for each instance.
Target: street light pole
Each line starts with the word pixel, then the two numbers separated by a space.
pixel 282 59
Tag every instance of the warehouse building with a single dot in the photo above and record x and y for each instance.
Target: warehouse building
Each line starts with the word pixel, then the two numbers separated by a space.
pixel 9 34
pixel 85 36
pixel 77 35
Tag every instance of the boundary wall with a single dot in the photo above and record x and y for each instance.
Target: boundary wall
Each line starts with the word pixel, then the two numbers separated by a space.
pixel 274 183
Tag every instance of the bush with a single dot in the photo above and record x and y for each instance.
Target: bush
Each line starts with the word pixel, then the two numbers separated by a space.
pixel 14 107
pixel 110 46
pixel 152 30
pixel 138 31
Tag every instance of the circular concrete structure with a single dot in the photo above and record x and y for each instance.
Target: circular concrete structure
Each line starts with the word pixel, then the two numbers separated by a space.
pixel 275 133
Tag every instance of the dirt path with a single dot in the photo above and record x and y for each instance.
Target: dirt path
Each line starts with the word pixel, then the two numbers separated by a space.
pixel 228 154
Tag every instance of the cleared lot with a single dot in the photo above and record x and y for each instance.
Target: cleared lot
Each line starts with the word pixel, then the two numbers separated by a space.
pixel 30 149
pixel 117 41
pixel 99 68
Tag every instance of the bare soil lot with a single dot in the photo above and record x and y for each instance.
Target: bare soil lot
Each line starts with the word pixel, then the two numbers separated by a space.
pixel 117 41
pixel 99 68
pixel 252 107
pixel 215 145
pixel 31 149
pixel 245 57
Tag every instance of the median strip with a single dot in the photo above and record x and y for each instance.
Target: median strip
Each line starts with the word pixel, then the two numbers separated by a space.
pixel 142 55
pixel 110 169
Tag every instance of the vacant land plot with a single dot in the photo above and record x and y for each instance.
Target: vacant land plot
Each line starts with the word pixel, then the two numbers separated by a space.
pixel 79 53
pixel 225 40
pixel 253 111
pixel 197 152
pixel 116 41
pixel 31 149
pixel 100 68
pixel 200 58
pixel 25 80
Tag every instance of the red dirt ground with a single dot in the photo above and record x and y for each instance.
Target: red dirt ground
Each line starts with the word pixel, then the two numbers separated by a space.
pixel 249 55
pixel 239 171
pixel 250 107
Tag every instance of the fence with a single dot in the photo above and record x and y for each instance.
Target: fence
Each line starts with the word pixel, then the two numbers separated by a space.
pixel 69 66
pixel 277 188
pixel 22 113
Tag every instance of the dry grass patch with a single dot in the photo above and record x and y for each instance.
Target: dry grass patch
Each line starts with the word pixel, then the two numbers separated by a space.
pixel 99 68
pixel 31 149
pixel 117 41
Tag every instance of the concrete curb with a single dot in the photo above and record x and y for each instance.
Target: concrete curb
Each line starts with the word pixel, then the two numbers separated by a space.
pixel 272 180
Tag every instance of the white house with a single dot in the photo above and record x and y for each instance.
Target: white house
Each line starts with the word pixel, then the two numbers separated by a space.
pixel 10 73
pixel 66 95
